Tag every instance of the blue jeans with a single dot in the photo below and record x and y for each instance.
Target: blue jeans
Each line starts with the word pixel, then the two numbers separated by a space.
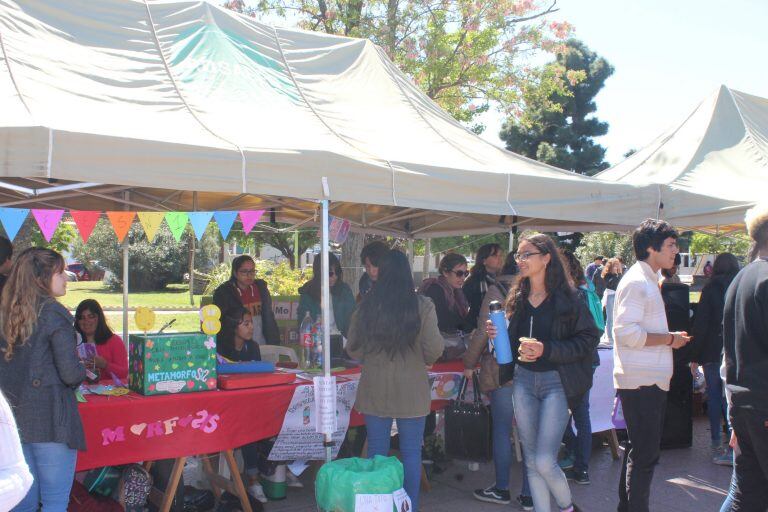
pixel 502 415
pixel 579 445
pixel 609 303
pixel 411 433
pixel 541 410
pixel 53 468
pixel 717 407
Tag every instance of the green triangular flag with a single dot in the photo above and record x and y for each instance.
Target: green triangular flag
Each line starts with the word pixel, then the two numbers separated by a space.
pixel 177 221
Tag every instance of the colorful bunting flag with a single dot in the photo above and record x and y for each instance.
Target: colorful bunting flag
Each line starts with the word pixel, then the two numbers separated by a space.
pixel 85 221
pixel 224 220
pixel 177 221
pixel 199 221
pixel 151 221
pixel 121 223
pixel 48 220
pixel 12 219
pixel 249 218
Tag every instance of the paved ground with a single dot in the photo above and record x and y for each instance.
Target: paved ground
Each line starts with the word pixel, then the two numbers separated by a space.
pixel 685 481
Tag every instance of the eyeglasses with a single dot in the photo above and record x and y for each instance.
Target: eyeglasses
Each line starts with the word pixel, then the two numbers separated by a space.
pixel 247 272
pixel 525 255
pixel 460 273
pixel 331 273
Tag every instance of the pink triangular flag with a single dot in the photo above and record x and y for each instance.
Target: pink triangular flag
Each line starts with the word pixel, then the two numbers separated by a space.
pixel 48 220
pixel 249 218
pixel 85 222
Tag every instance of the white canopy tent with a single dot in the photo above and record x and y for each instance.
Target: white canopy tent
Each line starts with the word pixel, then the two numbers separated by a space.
pixel 167 98
pixel 711 167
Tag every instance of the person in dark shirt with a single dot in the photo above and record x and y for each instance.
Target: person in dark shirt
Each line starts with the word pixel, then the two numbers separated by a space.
pixel 488 262
pixel 589 272
pixel 450 303
pixel 745 344
pixel 708 346
pixel 370 257
pixel 234 341
pixel 554 338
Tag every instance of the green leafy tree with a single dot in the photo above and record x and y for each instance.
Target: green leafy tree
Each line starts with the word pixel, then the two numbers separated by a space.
pixel 283 242
pixel 151 265
pixel 607 244
pixel 563 136
pixel 30 236
pixel 464 54
pixel 737 244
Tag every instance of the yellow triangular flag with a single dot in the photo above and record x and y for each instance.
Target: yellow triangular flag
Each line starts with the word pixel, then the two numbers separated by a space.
pixel 151 221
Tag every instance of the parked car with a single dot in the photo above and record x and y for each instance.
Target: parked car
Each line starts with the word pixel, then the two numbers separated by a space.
pixel 71 276
pixel 80 271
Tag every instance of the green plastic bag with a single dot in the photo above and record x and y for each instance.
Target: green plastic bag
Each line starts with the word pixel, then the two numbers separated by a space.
pixel 339 481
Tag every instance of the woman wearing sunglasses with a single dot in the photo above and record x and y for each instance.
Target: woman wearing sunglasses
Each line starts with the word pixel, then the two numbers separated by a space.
pixel 554 337
pixel 342 299
pixel 450 303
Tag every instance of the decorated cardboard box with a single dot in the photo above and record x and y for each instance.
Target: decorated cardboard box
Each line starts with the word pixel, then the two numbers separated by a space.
pixel 160 364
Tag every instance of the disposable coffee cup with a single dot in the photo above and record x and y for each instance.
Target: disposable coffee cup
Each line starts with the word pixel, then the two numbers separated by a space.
pixel 524 339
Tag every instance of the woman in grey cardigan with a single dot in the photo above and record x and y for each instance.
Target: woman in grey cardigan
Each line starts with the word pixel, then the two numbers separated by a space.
pixel 394 333
pixel 39 372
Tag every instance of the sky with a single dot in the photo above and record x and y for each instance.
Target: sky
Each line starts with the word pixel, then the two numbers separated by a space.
pixel 668 56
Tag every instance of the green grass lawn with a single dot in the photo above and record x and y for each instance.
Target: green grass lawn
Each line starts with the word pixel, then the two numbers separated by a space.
pixel 185 322
pixel 175 295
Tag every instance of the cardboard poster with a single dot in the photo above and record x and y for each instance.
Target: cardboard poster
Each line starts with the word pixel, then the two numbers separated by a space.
pixel 298 438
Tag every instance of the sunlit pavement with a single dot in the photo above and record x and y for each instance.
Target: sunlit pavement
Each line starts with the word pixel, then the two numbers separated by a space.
pixel 685 481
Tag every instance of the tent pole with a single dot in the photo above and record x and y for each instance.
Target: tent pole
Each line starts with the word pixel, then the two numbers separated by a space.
pixel 326 297
pixel 425 264
pixel 126 246
pixel 192 257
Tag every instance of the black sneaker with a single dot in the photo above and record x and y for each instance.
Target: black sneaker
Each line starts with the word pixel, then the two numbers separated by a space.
pixel 492 495
pixel 579 476
pixel 525 502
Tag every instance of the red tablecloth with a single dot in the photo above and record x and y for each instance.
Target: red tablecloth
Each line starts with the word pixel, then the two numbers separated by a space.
pixel 133 428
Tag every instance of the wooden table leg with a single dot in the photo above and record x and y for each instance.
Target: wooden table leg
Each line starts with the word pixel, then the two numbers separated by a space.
pixel 173 484
pixel 613 443
pixel 239 487
pixel 210 472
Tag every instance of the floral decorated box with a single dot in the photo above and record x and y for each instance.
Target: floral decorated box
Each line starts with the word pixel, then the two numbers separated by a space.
pixel 171 363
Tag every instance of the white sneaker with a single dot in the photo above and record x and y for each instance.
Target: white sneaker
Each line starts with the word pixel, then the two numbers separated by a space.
pixel 257 492
pixel 292 480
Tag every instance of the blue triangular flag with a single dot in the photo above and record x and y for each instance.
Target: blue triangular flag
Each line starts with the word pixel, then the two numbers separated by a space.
pixel 225 221
pixel 199 221
pixel 12 219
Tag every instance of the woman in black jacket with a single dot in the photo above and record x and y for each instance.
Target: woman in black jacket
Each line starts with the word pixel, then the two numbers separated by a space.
pixel 39 373
pixel 708 343
pixel 554 337
pixel 243 290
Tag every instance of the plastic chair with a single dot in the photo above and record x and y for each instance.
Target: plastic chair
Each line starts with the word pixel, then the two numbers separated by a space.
pixel 274 353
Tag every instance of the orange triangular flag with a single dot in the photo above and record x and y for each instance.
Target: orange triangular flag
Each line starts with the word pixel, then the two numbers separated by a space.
pixel 121 223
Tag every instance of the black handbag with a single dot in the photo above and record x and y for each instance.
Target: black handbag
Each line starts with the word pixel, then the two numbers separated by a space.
pixel 468 426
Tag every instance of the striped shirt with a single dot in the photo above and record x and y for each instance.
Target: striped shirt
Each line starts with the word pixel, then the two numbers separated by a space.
pixel 639 310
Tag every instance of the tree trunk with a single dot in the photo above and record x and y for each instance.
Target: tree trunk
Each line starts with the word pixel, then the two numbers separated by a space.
pixel 350 259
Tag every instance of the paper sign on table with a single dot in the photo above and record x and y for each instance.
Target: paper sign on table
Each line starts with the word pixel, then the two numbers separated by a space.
pixel 325 405
pixel 402 501
pixel 373 503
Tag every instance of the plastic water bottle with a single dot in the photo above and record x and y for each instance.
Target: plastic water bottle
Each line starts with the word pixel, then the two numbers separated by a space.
pixel 317 335
pixel 306 342
pixel 501 342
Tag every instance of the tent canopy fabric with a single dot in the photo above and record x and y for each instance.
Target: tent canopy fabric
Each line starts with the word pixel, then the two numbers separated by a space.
pixel 711 167
pixel 165 98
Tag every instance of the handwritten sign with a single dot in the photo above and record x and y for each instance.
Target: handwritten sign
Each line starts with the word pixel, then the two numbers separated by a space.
pixel 325 400
pixel 373 503
pixel 298 438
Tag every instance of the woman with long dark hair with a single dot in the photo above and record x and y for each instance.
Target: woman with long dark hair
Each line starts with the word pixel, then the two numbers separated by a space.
pixel 554 337
pixel 394 333
pixel 707 334
pixel 39 373
pixel 451 305
pixel 111 358
pixel 342 299
pixel 488 262
pixel 243 289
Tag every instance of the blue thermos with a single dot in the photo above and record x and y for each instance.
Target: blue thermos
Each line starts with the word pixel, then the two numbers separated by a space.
pixel 501 342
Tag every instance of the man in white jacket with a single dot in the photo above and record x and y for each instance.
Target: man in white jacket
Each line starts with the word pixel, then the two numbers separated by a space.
pixel 643 358
pixel 15 478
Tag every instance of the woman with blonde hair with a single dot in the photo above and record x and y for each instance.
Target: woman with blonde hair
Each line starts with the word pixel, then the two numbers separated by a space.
pixel 39 373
